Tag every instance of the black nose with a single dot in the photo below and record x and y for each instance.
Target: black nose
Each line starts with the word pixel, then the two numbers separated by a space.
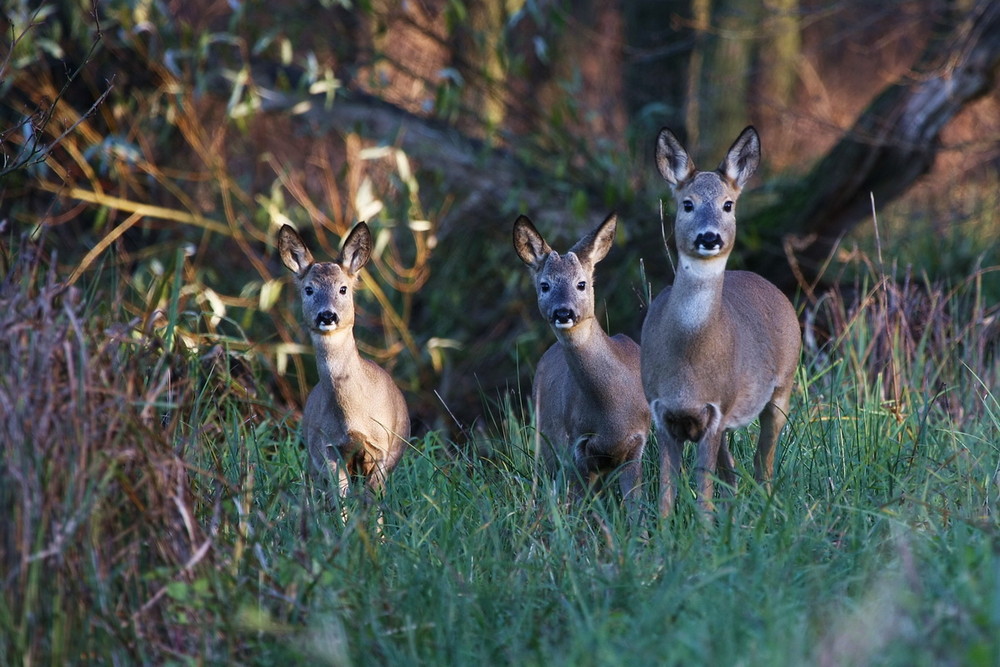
pixel 563 316
pixel 327 317
pixel 708 240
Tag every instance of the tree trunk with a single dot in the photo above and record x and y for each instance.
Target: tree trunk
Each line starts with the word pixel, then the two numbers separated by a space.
pixel 777 77
pixel 725 78
pixel 890 146
pixel 476 55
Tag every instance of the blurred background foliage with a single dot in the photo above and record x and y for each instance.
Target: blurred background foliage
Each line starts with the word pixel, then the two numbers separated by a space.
pixel 169 140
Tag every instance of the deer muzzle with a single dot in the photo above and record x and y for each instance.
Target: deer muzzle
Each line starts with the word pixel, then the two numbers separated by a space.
pixel 327 320
pixel 563 318
pixel 708 244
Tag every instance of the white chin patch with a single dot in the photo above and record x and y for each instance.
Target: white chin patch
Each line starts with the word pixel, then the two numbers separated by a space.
pixel 568 324
pixel 708 252
pixel 327 327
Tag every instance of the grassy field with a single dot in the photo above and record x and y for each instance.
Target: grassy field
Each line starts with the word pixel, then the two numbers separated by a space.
pixel 156 509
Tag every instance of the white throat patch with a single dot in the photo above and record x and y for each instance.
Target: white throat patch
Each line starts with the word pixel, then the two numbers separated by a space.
pixel 694 292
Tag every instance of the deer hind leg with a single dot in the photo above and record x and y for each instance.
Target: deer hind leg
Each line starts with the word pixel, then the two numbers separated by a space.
pixel 772 420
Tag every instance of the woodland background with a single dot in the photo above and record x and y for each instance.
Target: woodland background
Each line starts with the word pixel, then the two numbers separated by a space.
pixel 154 497
pixel 144 127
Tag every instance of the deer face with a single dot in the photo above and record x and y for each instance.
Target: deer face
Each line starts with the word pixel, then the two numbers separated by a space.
pixel 705 227
pixel 327 294
pixel 565 290
pixel 326 289
pixel 564 283
pixel 706 200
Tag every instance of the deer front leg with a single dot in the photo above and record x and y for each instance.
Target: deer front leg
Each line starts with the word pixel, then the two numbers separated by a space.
pixel 727 465
pixel 376 470
pixel 671 449
pixel 630 482
pixel 582 473
pixel 337 470
pixel 705 467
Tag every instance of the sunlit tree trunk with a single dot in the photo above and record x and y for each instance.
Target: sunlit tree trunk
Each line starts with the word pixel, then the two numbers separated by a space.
pixel 701 14
pixel 777 77
pixel 477 58
pixel 723 83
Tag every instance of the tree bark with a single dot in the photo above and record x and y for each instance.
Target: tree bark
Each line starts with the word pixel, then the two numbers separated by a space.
pixel 724 91
pixel 777 77
pixel 890 146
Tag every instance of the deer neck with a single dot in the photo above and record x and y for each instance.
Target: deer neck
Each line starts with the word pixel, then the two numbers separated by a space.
pixel 337 358
pixel 589 356
pixel 696 295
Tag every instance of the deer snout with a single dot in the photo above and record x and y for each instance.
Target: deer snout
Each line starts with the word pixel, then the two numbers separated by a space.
pixel 563 318
pixel 708 243
pixel 327 320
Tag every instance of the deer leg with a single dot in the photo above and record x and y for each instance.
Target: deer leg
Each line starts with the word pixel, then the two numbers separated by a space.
pixel 630 482
pixel 375 474
pixel 772 420
pixel 341 475
pixel 329 459
pixel 727 465
pixel 583 461
pixel 705 467
pixel 671 449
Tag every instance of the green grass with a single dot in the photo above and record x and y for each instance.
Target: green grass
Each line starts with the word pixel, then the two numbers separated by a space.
pixel 157 509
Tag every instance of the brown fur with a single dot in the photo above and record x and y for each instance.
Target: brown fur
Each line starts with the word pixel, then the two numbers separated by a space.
pixel 718 347
pixel 590 407
pixel 355 421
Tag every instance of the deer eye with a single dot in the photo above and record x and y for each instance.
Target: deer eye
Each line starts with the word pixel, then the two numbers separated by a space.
pixel 688 205
pixel 728 207
pixel 343 289
pixel 582 285
pixel 545 287
pixel 309 290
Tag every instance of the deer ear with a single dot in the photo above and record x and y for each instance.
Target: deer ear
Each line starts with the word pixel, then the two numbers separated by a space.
pixel 294 253
pixel 528 243
pixel 742 159
pixel 357 249
pixel 672 160
pixel 595 246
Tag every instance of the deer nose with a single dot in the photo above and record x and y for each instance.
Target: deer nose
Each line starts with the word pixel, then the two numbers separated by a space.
pixel 327 318
pixel 708 241
pixel 563 318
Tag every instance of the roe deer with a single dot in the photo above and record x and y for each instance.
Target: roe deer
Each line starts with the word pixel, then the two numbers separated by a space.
pixel 587 390
pixel 718 347
pixel 355 420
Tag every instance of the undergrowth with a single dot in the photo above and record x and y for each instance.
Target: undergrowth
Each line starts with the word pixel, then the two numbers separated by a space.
pixel 157 508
